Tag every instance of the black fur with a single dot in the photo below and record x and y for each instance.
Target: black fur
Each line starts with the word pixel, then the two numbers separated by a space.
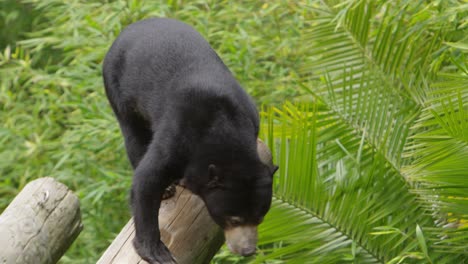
pixel 183 115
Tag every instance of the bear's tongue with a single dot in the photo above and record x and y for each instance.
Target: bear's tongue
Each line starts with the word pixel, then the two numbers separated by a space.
pixel 241 240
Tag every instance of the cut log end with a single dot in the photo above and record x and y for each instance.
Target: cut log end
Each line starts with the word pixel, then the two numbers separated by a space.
pixel 40 223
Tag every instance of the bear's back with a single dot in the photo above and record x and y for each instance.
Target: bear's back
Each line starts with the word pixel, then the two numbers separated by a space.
pixel 159 63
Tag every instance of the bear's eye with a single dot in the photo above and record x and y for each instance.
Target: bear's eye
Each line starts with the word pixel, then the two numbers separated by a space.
pixel 235 220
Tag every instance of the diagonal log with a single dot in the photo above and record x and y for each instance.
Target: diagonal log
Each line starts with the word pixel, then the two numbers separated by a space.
pixel 186 229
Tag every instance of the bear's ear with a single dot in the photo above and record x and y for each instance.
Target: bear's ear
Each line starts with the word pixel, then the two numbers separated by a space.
pixel 214 179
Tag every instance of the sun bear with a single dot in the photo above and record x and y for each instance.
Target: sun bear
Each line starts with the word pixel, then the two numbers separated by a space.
pixel 184 117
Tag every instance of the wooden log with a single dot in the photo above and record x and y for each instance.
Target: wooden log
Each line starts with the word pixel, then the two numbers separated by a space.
pixel 39 224
pixel 186 229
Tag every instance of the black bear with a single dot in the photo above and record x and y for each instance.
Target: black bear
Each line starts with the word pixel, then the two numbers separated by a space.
pixel 185 117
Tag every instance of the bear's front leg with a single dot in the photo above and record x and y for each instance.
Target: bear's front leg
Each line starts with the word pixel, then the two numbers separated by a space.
pixel 149 183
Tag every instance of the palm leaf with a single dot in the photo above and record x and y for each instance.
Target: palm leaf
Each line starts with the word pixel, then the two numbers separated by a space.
pixel 308 239
pixel 352 190
pixel 345 158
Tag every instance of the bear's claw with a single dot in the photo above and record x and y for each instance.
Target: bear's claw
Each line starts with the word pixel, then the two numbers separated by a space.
pixel 169 192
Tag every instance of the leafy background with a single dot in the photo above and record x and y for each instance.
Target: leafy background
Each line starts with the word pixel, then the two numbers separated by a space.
pixel 364 105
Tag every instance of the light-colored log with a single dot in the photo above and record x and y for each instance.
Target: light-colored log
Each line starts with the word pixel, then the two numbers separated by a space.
pixel 186 229
pixel 39 224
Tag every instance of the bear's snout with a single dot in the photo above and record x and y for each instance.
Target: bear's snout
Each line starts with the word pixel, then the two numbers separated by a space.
pixel 248 251
pixel 241 240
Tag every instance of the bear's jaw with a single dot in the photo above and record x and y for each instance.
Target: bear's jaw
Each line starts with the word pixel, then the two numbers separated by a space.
pixel 241 240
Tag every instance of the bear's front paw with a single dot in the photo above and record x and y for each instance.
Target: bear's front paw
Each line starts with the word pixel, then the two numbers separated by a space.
pixel 154 253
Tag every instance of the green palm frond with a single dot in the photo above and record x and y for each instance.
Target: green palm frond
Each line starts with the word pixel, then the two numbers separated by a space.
pixel 342 181
pixel 440 153
pixel 309 239
pixel 379 153
pixel 358 81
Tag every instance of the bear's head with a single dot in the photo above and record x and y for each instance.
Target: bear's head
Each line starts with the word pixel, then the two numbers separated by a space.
pixel 238 196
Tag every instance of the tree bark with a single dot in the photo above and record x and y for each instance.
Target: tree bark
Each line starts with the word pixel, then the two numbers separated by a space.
pixel 186 229
pixel 39 224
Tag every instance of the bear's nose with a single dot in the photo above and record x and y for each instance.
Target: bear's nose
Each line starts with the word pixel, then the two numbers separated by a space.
pixel 248 251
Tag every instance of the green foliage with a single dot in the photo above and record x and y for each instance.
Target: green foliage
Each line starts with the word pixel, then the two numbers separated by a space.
pixel 56 120
pixel 372 160
pixel 377 159
pixel 16 19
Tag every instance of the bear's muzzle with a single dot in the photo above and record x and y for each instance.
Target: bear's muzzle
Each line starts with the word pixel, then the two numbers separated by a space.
pixel 241 240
